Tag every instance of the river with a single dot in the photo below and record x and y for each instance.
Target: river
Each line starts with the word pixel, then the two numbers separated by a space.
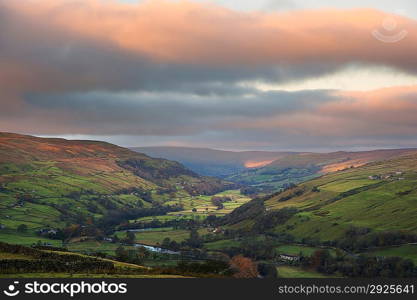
pixel 156 249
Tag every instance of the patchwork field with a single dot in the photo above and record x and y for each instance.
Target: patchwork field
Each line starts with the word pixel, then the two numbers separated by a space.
pixel 332 203
pixel 203 206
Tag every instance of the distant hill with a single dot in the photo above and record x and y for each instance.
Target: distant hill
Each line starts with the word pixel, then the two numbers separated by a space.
pixel 55 182
pixel 299 167
pixel 362 201
pixel 213 162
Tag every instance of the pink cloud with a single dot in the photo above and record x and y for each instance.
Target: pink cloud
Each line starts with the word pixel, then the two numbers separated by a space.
pixel 382 112
pixel 189 32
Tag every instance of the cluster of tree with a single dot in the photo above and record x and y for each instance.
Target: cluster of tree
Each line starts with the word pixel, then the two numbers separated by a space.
pixel 26 197
pixel 22 228
pixel 254 248
pixel 243 267
pixel 238 267
pixel 130 238
pixel 3 188
pixel 134 256
pixel 155 170
pixel 146 195
pixel 267 270
pixel 69 215
pixel 358 239
pixel 360 266
pixel 250 191
pixel 107 202
pixel 294 194
pixel 249 210
pixel 271 219
pixel 76 195
pixel 208 186
pixel 41 246
pixel 173 245
pixel 77 230
pixel 218 201
pixel 194 241
pixel 54 234
pixel 181 223
pixel 315 189
pixel 119 216
pixel 207 267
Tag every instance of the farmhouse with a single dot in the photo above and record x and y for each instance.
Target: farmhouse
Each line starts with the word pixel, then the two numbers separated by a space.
pixel 289 257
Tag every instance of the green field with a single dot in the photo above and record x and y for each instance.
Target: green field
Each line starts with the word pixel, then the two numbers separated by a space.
pixel 298 272
pixel 94 246
pixel 155 236
pixel 221 244
pixel 406 251
pixel 26 239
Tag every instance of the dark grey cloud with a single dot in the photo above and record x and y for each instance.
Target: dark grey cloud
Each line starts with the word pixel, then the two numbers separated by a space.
pixel 170 113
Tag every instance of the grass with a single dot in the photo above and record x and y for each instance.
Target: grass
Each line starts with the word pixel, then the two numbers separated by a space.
pixel 222 244
pixel 298 272
pixel 94 246
pixel 406 251
pixel 27 239
pixel 157 235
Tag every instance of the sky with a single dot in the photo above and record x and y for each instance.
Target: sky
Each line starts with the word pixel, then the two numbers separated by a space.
pixel 296 75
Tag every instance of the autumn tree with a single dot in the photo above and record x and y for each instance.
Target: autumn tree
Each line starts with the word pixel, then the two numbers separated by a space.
pixel 243 267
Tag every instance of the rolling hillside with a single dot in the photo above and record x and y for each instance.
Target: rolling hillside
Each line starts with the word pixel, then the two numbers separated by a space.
pixel 213 162
pixel 50 183
pixel 373 198
pixel 299 167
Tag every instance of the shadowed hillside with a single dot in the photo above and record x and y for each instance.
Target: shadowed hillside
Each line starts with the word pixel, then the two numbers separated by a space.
pixel 55 182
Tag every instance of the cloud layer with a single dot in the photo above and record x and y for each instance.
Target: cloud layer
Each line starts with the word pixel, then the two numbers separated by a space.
pixel 175 70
